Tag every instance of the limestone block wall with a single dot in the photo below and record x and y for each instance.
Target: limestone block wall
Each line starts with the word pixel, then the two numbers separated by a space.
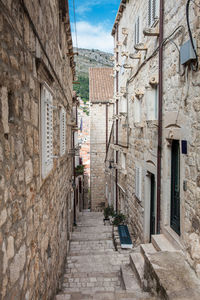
pixel 182 107
pixel 142 134
pixel 34 211
pixel 98 153
pixel 180 121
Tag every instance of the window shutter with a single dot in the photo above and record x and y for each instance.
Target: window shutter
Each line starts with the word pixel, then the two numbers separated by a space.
pixel 150 13
pixel 157 9
pixel 47 130
pixel 138 179
pixel 62 132
pixel 135 33
pixel 138 30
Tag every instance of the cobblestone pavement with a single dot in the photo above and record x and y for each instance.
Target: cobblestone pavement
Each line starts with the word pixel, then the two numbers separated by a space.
pixel 93 265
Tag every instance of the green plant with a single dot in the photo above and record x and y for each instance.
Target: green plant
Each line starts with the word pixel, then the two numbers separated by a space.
pixel 119 218
pixel 79 169
pixel 109 212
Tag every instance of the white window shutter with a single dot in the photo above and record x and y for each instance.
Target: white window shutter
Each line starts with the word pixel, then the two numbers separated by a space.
pixel 150 13
pixel 62 131
pixel 138 181
pixel 47 130
pixel 137 31
pixel 157 9
pixel 153 11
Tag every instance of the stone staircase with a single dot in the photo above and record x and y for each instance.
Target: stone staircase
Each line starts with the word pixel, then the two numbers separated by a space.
pixel 94 269
pixel 162 270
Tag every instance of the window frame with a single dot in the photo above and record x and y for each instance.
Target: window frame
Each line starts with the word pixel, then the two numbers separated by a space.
pixel 153 12
pixel 137 36
pixel 46 129
pixel 138 182
pixel 62 131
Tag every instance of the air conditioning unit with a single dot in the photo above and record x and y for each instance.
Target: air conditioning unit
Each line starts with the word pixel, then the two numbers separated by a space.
pixel 151 31
pixel 124 31
pixel 141 47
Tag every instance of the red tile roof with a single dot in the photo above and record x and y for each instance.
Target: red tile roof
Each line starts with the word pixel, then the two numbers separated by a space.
pixel 101 84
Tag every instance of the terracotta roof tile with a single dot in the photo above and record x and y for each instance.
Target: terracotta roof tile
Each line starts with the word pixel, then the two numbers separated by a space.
pixel 101 84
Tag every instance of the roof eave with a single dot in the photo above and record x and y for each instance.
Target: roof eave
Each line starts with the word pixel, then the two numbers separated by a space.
pixel 118 17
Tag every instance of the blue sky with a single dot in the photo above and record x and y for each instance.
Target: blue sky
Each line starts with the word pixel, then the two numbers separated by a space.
pixel 94 19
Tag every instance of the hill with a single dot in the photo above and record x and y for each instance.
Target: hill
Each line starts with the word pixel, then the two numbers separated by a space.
pixel 86 59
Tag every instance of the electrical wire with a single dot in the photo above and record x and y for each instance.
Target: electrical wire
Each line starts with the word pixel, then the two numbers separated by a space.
pixel 165 41
pixel 75 30
pixel 195 68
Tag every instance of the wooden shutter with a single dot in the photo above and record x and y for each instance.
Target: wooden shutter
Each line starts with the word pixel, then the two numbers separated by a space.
pixel 62 131
pixel 47 130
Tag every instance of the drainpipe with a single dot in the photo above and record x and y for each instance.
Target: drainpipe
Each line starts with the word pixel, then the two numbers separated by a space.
pixel 117 111
pixel 106 128
pixel 74 183
pixel 160 101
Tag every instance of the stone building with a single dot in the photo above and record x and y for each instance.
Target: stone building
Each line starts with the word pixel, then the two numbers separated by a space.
pixel 84 141
pixel 153 156
pixel 36 195
pixel 101 111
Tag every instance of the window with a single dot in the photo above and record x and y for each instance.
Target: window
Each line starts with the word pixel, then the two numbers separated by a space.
pixel 46 129
pixel 153 12
pixel 138 181
pixel 152 104
pixel 62 132
pixel 137 31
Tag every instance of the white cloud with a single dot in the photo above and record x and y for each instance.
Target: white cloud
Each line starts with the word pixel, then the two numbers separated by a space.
pixel 93 37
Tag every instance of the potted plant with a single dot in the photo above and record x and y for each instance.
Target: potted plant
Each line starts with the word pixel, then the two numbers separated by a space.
pixel 108 212
pixel 119 219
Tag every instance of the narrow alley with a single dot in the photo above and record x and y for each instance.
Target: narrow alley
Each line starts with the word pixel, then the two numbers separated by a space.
pixel 93 267
pixel 99 150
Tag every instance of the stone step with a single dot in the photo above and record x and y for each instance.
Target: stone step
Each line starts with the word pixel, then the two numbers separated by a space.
pixel 137 264
pixel 92 252
pixel 100 228
pixel 90 244
pixel 146 249
pixel 169 275
pixel 117 295
pixel 79 236
pixel 161 243
pixel 92 275
pixel 129 279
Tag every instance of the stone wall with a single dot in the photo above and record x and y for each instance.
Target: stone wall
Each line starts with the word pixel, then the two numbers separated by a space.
pixel 98 153
pixel 180 122
pixel 34 212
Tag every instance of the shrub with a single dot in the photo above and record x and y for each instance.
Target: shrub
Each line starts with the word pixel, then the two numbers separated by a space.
pixel 119 218
pixel 109 212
